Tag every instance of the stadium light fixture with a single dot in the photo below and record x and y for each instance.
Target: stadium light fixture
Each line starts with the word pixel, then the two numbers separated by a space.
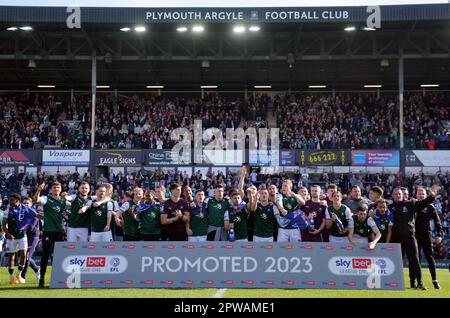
pixel 126 29
pixel 368 29
pixel 140 28
pixel 262 86
pixel 254 28
pixel 317 86
pixel 429 85
pixel 26 28
pixel 208 86
pixel 198 28
pixel 239 29
pixel 372 86
pixel 12 29
pixel 350 29
pixel 155 86
pixel 46 86
pixel 182 29
pixel 102 86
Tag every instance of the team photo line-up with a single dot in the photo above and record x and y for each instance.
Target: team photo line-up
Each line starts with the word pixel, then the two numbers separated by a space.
pixel 259 214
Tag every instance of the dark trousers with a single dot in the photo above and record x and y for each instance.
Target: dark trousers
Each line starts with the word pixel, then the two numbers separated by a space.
pixel 409 247
pixel 424 242
pixel 150 237
pixel 33 241
pixel 48 244
pixel 129 238
pixel 176 236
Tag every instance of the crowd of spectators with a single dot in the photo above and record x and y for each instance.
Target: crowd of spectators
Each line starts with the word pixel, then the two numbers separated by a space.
pixel 361 121
pixel 306 121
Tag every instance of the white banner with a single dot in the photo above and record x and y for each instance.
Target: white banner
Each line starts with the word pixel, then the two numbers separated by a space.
pixel 65 157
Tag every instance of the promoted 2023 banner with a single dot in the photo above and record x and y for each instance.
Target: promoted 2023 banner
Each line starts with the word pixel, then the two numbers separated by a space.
pixel 226 265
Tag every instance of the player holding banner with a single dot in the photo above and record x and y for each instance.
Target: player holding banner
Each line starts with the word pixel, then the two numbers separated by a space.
pixel 291 202
pixel 337 218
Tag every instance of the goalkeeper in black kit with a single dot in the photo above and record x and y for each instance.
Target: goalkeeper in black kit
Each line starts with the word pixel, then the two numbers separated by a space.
pixel 403 231
pixel 423 233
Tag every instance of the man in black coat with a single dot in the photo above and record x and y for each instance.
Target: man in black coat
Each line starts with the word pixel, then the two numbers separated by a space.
pixel 423 232
pixel 403 231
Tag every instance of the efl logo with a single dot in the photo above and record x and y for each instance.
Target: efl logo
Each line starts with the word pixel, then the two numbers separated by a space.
pixel 347 248
pixel 70 246
pixel 91 246
pixel 308 247
pixel 131 246
pixel 168 282
pixel 311 282
pixel 229 247
pixel 361 263
pixel 289 247
pixel 87 282
pixel 331 283
pixel 96 262
pixel 190 247
pixel 388 248
pixel 248 282
pixel 150 246
pixel 269 247
pixel 327 247
pixel 351 283
pixel 249 247
pixel 110 246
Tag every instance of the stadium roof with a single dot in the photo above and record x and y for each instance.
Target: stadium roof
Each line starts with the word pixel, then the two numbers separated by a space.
pixel 284 55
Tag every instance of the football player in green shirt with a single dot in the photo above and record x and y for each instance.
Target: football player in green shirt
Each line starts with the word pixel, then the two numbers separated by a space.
pixel 265 217
pixel 54 206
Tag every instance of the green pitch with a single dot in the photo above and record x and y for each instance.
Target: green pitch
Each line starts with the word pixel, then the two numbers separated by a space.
pixel 30 290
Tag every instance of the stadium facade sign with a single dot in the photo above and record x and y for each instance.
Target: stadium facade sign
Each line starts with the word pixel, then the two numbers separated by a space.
pixel 323 158
pixel 279 14
pixel 66 157
pixel 158 157
pixel 427 158
pixel 226 265
pixel 114 157
pixel 376 158
pixel 288 157
pixel 10 157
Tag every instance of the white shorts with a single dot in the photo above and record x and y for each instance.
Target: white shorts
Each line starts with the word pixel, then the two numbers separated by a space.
pixel 243 240
pixel 15 245
pixel 262 239
pixel 337 239
pixel 101 236
pixel 360 239
pixel 197 238
pixel 291 235
pixel 77 234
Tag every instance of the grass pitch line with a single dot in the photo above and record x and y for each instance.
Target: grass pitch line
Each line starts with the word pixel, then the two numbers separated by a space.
pixel 219 293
